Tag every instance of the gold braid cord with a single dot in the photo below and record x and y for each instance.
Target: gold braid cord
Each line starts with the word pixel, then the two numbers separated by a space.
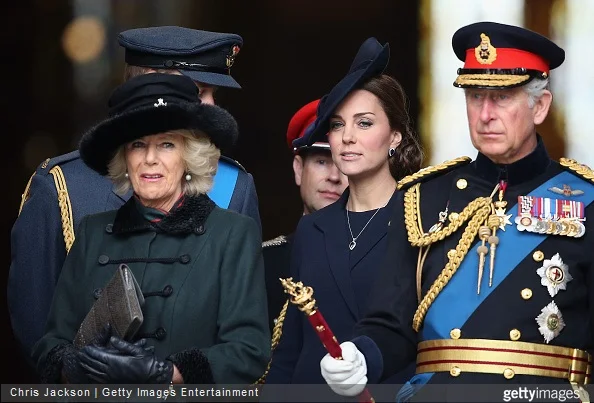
pixel 416 235
pixel 477 211
pixel 277 332
pixel 491 80
pixel 65 206
pixel 580 169
pixel 25 194
pixel 431 170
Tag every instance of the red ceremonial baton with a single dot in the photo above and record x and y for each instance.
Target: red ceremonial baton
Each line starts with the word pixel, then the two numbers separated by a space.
pixel 302 296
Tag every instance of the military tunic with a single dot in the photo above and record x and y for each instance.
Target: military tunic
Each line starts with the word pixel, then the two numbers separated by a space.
pixel 514 307
pixel 277 261
pixel 202 275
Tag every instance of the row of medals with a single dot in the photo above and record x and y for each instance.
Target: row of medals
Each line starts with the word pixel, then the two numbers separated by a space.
pixel 564 226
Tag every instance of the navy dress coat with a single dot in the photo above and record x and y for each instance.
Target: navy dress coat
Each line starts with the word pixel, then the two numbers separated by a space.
pixel 341 280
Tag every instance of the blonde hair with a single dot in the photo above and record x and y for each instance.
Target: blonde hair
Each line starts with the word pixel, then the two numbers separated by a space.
pixel 200 157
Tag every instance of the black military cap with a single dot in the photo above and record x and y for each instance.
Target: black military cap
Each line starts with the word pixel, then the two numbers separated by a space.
pixel 203 56
pixel 151 104
pixel 503 56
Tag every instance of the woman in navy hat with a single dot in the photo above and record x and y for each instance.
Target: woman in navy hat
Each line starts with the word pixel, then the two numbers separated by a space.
pixel 338 249
pixel 199 266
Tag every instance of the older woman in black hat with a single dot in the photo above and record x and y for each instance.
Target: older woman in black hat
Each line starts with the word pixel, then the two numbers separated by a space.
pixel 199 266
pixel 337 249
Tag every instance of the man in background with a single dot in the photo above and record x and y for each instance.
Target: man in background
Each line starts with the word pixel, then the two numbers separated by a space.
pixel 320 184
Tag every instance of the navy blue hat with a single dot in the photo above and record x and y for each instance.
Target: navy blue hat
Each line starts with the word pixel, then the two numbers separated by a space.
pixel 203 56
pixel 371 60
pixel 503 56
pixel 151 104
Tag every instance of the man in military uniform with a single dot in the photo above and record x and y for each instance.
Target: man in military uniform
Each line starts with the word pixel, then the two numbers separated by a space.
pixel 63 189
pixel 488 275
pixel 320 184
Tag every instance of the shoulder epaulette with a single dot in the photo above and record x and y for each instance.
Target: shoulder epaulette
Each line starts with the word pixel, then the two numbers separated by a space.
pixel 432 171
pixel 233 162
pixel 279 240
pixel 581 170
pixel 49 163
pixel 44 169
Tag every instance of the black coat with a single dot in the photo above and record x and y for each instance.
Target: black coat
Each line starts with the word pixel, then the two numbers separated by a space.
pixel 341 280
pixel 202 274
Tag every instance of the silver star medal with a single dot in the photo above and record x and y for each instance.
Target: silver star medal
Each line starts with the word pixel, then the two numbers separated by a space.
pixel 550 322
pixel 554 274
pixel 504 218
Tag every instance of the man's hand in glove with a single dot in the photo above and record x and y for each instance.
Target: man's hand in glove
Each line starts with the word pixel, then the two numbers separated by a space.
pixel 123 362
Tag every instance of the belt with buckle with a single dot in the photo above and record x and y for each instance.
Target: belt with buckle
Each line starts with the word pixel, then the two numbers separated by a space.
pixel 508 358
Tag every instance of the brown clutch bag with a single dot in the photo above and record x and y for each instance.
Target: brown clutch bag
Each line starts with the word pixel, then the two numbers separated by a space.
pixel 120 305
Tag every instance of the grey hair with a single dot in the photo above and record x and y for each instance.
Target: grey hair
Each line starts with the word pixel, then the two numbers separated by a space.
pixel 200 157
pixel 535 89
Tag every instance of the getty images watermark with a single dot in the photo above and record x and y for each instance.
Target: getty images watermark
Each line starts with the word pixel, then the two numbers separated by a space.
pixel 536 394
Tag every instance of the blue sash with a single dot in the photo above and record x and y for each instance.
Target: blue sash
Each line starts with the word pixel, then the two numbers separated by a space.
pixel 458 299
pixel 224 184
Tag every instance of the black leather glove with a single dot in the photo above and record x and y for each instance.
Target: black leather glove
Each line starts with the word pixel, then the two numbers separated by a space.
pixel 71 367
pixel 123 362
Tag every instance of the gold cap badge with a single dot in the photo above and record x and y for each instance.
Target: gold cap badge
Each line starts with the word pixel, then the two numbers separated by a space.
pixel 485 53
pixel 231 56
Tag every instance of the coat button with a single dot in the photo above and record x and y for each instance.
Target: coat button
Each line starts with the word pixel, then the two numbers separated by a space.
pixel 515 334
pixel 167 290
pixel 455 334
pixel 185 259
pixel 97 293
pixel 160 333
pixel 526 293
pixel 103 259
pixel 461 184
pixel 538 256
pixel 109 228
pixel 455 371
pixel 199 230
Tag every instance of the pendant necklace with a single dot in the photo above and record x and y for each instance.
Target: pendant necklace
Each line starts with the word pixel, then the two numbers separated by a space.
pixel 353 243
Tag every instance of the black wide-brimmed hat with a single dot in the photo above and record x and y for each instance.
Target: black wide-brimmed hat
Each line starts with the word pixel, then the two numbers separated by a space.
pixel 371 60
pixel 151 104
pixel 503 56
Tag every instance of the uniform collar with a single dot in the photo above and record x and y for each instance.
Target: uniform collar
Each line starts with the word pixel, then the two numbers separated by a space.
pixel 518 172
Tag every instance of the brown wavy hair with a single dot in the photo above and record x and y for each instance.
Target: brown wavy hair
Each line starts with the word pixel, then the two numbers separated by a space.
pixel 131 71
pixel 409 155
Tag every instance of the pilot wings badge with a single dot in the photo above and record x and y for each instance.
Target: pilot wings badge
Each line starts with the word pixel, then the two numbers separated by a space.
pixel 566 191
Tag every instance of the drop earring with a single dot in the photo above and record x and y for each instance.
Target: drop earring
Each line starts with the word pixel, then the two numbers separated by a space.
pixel 188 177
pixel 391 152
pixel 126 175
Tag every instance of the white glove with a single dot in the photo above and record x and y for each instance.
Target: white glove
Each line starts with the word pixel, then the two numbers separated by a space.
pixel 346 377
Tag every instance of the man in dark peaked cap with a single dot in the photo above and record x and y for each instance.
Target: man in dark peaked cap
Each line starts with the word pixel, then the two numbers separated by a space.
pixel 63 189
pixel 488 275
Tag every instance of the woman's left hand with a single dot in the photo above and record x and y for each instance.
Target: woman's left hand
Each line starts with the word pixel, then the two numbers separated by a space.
pixel 123 362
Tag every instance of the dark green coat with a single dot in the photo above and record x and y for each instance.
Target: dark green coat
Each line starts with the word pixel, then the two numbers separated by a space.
pixel 202 275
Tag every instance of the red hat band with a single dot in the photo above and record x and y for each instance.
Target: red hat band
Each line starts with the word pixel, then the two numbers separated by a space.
pixel 505 58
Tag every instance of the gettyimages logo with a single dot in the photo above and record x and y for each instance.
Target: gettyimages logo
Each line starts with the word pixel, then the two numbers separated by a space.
pixel 544 395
